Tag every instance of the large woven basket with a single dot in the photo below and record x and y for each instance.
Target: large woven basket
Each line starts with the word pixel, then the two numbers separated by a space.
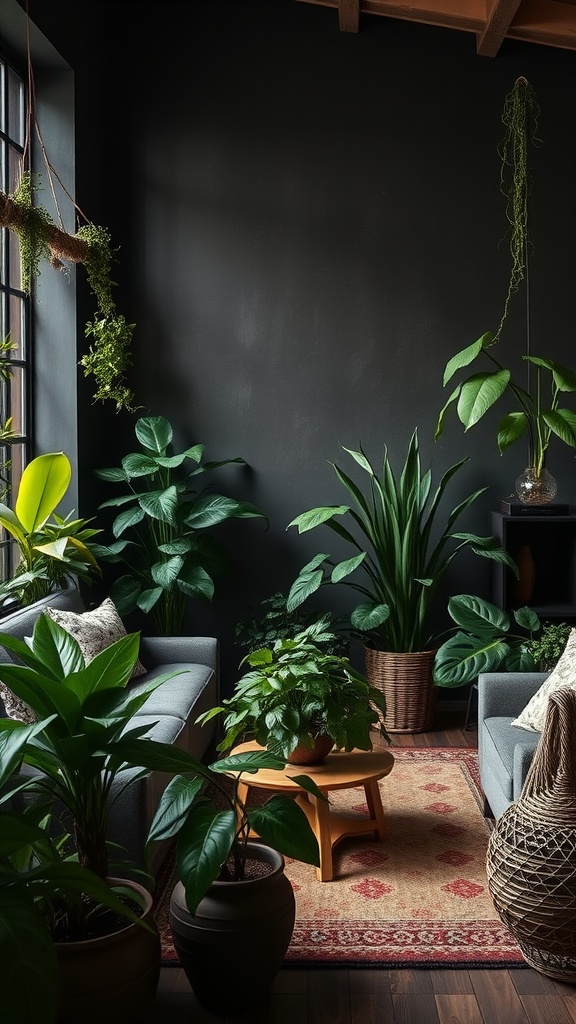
pixel 406 681
pixel 531 859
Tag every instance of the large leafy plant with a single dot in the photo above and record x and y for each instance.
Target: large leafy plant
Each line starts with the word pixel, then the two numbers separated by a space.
pixel 486 639
pixel 90 737
pixel 52 549
pixel 296 690
pixel 85 739
pixel 401 548
pixel 35 877
pixel 164 532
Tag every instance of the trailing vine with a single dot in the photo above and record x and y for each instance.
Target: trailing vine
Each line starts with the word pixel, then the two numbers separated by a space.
pixel 520 117
pixel 108 359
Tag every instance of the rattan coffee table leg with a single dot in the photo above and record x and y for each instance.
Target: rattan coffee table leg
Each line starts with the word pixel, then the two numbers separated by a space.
pixel 374 801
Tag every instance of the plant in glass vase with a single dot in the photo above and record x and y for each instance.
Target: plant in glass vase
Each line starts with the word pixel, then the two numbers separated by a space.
pixel 538 417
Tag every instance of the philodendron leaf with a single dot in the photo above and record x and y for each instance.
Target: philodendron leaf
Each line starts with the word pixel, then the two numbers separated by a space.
pixel 347 567
pixel 511 428
pixel 479 393
pixel 463 657
pixel 202 847
pixel 316 516
pixel 154 433
pixel 478 616
pixel 282 824
pixel 466 356
pixel 528 619
pixel 562 422
pixel 307 582
pixel 369 616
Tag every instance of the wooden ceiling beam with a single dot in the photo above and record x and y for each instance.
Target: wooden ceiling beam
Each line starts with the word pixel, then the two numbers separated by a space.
pixel 498 22
pixel 349 15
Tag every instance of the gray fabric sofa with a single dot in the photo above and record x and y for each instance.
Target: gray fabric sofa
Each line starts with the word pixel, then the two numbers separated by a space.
pixel 170 712
pixel 505 751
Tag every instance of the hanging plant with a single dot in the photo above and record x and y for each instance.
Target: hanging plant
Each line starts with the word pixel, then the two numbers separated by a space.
pixel 539 415
pixel 40 239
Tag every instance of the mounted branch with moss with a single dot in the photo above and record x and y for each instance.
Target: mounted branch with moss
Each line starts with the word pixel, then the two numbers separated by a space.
pixel 40 239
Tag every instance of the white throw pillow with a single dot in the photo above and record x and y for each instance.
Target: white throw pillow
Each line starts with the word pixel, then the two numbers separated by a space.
pixel 94 630
pixel 564 674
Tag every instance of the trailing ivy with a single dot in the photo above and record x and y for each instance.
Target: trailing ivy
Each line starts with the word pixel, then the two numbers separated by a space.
pixel 108 359
pixel 31 229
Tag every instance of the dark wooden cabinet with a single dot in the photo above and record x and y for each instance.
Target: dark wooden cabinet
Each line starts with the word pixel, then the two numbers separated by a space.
pixel 544 549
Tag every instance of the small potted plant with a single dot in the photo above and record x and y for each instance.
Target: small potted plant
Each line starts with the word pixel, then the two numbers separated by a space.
pixel 299 699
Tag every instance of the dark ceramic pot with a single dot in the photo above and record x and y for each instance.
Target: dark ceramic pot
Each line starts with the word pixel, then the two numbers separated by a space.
pixel 112 978
pixel 234 945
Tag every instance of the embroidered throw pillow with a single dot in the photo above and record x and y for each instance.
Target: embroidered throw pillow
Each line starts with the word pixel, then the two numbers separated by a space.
pixel 16 708
pixel 94 630
pixel 564 674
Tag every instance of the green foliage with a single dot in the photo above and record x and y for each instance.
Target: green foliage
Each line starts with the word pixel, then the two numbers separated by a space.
pixel 297 690
pixel 163 533
pixel 85 737
pixel 108 359
pixel 537 419
pixel 547 647
pixel 31 229
pixel 53 549
pixel 277 623
pixel 484 642
pixel 393 530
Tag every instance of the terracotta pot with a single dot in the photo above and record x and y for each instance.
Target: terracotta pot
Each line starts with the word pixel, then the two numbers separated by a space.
pixel 406 681
pixel 316 754
pixel 112 978
pixel 234 945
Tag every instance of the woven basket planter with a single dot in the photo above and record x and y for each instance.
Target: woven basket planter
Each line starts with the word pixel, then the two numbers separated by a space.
pixel 531 859
pixel 406 681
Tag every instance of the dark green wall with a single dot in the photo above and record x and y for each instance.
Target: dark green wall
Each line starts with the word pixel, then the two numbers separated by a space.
pixel 310 225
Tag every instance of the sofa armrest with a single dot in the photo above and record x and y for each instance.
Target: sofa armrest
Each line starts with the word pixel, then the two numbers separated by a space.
pixel 506 693
pixel 162 650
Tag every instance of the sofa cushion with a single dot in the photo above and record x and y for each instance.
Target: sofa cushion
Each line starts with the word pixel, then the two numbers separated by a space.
pixel 177 696
pixel 564 674
pixel 94 630
pixel 499 740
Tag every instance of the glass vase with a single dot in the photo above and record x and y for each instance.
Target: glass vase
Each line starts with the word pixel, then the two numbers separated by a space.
pixel 533 488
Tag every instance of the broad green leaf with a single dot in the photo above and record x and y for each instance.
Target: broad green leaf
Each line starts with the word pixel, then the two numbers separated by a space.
pixel 162 505
pixel 562 422
pixel 196 582
pixel 154 433
pixel 463 657
pixel 165 573
pixel 306 584
pixel 476 615
pixel 202 847
pixel 282 824
pixel 511 428
pixel 528 619
pixel 316 516
pixel 479 393
pixel 369 616
pixel 11 523
pixel 43 484
pixel 442 416
pixel 130 517
pixel 173 807
pixel 344 569
pixel 139 465
pixel 465 357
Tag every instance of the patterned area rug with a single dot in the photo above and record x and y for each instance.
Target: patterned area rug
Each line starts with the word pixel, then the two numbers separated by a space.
pixel 418 899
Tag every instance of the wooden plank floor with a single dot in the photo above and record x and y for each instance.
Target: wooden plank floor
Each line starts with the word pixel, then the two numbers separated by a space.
pixel 333 996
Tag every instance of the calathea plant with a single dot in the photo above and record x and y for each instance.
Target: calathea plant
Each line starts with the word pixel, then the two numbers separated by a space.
pixel 163 533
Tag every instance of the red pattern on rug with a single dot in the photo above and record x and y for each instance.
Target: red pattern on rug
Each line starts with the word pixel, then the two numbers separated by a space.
pixel 419 898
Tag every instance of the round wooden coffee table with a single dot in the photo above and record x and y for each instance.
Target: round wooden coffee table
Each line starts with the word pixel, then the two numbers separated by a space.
pixel 340 770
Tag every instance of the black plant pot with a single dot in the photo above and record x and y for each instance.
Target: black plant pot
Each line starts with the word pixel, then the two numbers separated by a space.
pixel 234 945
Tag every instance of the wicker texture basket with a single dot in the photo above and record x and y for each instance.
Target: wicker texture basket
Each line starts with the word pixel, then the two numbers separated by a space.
pixel 406 681
pixel 531 859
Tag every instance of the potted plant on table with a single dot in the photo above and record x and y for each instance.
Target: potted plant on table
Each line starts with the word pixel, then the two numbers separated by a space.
pixel 401 556
pixel 163 533
pixel 298 700
pixel 84 742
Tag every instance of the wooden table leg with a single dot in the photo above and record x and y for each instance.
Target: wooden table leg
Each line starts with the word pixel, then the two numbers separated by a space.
pixel 374 801
pixel 325 872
